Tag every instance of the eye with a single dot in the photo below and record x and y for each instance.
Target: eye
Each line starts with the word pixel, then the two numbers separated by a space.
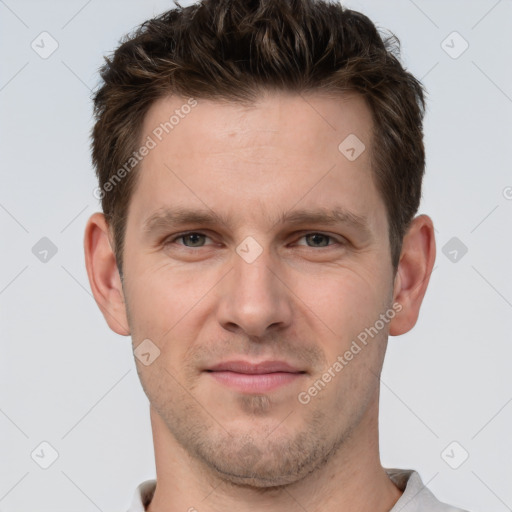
pixel 191 239
pixel 194 239
pixel 318 239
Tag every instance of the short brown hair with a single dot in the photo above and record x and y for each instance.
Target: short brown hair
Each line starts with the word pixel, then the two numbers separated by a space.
pixel 233 50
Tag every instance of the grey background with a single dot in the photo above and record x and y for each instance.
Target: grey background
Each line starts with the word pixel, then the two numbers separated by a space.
pixel 67 380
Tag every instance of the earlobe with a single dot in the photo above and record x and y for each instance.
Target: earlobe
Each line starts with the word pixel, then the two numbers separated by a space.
pixel 103 274
pixel 413 274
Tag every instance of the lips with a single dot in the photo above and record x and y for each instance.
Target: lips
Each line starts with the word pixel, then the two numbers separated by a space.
pixel 255 368
pixel 246 377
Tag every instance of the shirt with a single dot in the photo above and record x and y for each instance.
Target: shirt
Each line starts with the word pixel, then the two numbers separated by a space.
pixel 415 498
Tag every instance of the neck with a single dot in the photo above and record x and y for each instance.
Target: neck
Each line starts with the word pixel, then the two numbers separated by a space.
pixel 352 479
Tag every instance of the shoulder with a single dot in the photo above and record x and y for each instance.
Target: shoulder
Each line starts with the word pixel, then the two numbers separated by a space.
pixel 142 496
pixel 416 496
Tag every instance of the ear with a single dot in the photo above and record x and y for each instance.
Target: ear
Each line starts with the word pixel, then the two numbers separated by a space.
pixel 103 274
pixel 413 273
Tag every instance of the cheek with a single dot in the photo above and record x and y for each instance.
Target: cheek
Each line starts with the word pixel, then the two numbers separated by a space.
pixel 160 298
pixel 344 301
pixel 344 308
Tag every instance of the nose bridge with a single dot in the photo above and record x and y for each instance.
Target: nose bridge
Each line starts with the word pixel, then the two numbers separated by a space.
pixel 253 298
pixel 253 277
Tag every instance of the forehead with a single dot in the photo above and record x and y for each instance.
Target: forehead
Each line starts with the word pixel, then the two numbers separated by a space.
pixel 308 122
pixel 238 159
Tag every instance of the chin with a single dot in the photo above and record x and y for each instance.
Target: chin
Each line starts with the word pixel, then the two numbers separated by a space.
pixel 259 478
pixel 266 466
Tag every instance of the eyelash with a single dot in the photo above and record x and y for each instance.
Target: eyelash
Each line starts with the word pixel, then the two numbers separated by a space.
pixel 183 235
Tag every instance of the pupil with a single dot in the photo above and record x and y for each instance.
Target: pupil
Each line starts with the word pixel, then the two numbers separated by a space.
pixel 194 238
pixel 315 239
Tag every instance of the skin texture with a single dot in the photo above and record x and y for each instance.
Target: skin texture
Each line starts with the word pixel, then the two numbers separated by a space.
pixel 303 300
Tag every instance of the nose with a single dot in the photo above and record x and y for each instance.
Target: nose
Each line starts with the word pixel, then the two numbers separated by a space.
pixel 254 297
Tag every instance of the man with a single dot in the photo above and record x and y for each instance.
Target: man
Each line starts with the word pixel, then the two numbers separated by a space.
pixel 260 166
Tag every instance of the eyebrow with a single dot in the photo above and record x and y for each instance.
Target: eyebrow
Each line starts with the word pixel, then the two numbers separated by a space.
pixel 166 217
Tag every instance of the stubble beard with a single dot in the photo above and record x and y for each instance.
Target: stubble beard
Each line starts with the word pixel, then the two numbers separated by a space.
pixel 264 459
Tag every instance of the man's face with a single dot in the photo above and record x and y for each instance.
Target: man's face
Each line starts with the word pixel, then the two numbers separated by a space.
pixel 211 297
